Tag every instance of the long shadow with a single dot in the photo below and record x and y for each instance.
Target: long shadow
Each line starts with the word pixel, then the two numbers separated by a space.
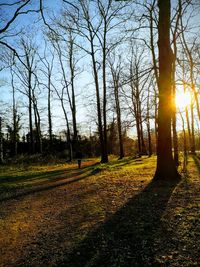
pixel 14 193
pixel 197 162
pixel 22 178
pixel 128 238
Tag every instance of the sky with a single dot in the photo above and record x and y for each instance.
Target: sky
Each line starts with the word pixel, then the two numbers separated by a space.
pixel 84 84
pixel 27 22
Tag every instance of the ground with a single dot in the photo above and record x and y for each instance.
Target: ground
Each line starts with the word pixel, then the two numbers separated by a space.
pixel 102 215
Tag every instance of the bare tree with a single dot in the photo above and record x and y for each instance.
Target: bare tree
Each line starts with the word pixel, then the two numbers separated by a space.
pixel 138 80
pixel 47 70
pixel 27 76
pixel 94 23
pixel 116 72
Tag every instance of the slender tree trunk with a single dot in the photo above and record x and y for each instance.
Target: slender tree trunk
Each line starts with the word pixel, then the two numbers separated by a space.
pixel 138 135
pixel 118 111
pixel 151 27
pixel 14 117
pixel 166 168
pixel 68 130
pixel 71 63
pixel 104 97
pixel 149 139
pixel 175 137
pixel 116 77
pixel 155 67
pixel 49 110
pixel 148 127
pixel 39 134
pixel 156 121
pixel 31 145
pixel 193 145
pixel 1 142
pixel 143 147
pixel 184 146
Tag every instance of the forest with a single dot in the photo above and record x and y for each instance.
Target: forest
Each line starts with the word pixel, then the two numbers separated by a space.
pixel 99 133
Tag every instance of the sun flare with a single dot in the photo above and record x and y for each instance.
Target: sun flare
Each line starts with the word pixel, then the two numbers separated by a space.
pixel 183 99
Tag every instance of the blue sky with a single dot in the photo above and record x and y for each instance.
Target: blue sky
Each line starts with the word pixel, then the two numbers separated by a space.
pixel 85 86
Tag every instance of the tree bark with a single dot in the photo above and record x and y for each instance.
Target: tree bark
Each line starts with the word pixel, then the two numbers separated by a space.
pixel 166 168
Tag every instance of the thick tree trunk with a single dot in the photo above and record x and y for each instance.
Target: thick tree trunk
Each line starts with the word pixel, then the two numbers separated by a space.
pixel 166 168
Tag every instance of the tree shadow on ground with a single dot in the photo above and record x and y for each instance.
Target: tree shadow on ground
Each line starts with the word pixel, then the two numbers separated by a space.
pixel 11 187
pixel 197 162
pixel 129 237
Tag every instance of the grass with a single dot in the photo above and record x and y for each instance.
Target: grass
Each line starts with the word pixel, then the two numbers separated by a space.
pixel 102 215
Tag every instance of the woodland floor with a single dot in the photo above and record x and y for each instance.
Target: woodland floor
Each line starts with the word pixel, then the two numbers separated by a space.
pixel 102 215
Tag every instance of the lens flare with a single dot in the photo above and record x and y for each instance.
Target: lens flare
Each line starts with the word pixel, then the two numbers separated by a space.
pixel 183 99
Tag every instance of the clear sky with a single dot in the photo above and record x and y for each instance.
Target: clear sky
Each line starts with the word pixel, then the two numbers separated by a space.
pixel 32 25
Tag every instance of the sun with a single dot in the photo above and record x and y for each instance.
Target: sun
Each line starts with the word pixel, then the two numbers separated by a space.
pixel 183 99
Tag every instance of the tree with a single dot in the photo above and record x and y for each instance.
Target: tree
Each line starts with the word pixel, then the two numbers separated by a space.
pixel 166 168
pixel 1 142
pixel 26 74
pixel 17 8
pixel 95 23
pixel 47 70
pixel 116 71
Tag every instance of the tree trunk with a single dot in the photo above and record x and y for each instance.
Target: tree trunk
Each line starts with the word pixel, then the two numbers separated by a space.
pixel 73 107
pixel 49 110
pixel 175 137
pixel 193 146
pixel 166 168
pixel 104 95
pixel 148 127
pixel 1 142
pixel 143 147
pixel 118 111
pixel 14 118
pixel 31 145
pixel 68 130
